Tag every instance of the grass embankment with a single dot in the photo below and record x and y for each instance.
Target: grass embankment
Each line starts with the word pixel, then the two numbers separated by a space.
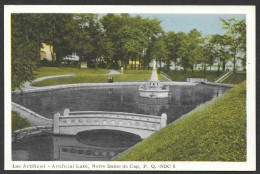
pixel 236 78
pixel 211 76
pixel 18 122
pixel 215 131
pixel 89 76
pixel 182 75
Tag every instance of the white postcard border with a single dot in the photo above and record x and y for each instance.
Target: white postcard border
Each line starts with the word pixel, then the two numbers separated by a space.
pixel 249 165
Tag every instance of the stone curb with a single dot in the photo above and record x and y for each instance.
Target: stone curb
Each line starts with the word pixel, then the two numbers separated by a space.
pixel 96 86
pixel 220 84
pixel 30 132
pixel 31 116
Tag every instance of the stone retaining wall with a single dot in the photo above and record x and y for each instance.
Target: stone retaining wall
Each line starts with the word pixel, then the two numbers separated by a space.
pixel 196 80
pixel 95 86
pixel 219 84
pixel 32 117
pixel 28 133
pixel 109 85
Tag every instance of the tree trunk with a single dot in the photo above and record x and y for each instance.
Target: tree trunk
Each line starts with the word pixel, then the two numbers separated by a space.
pixel 51 50
pixel 218 69
pixel 204 69
pixel 234 61
pixel 135 62
pixel 223 65
pixel 125 63
pixel 132 63
pixel 139 65
pixel 168 65
pixel 234 64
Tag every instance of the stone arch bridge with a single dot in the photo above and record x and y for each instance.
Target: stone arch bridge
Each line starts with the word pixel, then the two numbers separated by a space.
pixel 77 121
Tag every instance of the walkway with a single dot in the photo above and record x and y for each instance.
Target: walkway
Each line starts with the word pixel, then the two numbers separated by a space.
pixel 112 72
pixel 28 84
pixel 224 77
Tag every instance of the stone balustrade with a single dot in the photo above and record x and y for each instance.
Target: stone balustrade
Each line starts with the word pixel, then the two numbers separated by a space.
pixel 73 122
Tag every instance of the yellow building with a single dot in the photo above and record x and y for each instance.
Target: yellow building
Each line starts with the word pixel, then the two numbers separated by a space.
pixel 132 64
pixel 47 52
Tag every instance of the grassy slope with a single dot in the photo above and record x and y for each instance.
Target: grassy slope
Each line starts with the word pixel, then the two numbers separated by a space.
pixel 182 76
pixel 52 71
pixel 215 131
pixel 18 122
pixel 235 78
pixel 89 76
pixel 210 76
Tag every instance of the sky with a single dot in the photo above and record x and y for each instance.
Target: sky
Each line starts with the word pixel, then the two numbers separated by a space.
pixel 205 23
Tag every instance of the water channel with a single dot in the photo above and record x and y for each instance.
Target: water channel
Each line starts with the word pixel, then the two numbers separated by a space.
pixel 101 144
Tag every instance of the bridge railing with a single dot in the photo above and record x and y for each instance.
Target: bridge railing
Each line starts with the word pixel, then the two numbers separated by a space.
pixel 81 120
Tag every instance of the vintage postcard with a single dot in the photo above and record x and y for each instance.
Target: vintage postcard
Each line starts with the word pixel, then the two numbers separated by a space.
pixel 136 88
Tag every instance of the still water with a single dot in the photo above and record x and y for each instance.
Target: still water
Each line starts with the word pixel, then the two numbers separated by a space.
pixel 101 144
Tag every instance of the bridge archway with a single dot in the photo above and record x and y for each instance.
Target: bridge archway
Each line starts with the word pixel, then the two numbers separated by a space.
pixel 73 122
pixel 108 138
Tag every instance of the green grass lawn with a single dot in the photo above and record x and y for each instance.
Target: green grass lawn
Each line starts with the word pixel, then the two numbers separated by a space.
pixel 53 71
pixel 89 76
pixel 18 122
pixel 215 131
pixel 235 78
pixel 209 75
pixel 182 75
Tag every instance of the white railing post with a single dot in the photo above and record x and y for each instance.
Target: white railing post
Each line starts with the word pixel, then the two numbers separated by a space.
pixel 66 112
pixel 163 120
pixel 56 124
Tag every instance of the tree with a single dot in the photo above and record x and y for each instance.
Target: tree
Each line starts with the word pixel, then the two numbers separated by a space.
pixel 194 42
pixel 220 49
pixel 152 30
pixel 111 25
pixel 183 51
pixel 208 56
pixel 236 31
pixel 131 41
pixel 58 30
pixel 26 41
pixel 158 50
pixel 172 45
pixel 86 39
pixel 128 37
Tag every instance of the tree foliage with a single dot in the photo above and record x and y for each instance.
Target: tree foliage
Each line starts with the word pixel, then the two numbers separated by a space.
pixel 236 31
pixel 25 47
pixel 115 40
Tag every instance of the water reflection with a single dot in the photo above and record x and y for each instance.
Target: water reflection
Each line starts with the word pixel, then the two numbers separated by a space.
pixel 153 106
pixel 98 145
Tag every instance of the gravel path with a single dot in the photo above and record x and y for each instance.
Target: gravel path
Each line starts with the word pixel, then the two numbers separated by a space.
pixel 112 72
pixel 28 84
